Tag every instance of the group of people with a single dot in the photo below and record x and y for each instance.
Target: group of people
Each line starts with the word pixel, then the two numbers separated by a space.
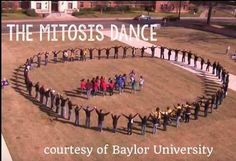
pixel 63 106
pixel 119 83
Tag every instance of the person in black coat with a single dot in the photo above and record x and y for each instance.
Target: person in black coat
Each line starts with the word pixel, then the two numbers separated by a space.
pixel 115 119
pixel 47 94
pixel 36 86
pixel 41 92
pixel 101 117
pixel 29 87
pixel 77 109
pixel 176 54
pixel 144 120
pixel 88 114
pixel 143 51
pixel 57 102
pixel 196 109
pixel 155 121
pixel 130 122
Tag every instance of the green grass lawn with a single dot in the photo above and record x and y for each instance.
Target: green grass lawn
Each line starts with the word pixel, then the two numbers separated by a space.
pixel 16 16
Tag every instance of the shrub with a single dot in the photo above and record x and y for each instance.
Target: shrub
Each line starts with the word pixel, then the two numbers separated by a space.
pixel 31 13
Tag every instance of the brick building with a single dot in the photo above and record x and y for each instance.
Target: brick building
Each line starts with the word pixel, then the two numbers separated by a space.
pixel 70 6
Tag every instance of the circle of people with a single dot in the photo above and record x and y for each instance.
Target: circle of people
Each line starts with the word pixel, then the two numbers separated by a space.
pixel 179 113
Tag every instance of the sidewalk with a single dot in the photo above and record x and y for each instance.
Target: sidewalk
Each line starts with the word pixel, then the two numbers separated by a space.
pixel 109 18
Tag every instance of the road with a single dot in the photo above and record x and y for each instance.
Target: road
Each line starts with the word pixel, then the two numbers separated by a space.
pixel 107 22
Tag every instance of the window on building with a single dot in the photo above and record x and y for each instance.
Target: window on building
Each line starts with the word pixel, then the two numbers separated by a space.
pixel 81 4
pixel 38 6
pixel 70 5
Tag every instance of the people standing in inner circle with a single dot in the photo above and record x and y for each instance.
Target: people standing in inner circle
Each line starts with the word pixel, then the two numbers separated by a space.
pixel 115 119
pixel 55 56
pixel 133 51
pixel 213 67
pixel 141 82
pixel 77 110
pixel 196 109
pixel 101 117
pixel 88 114
pixel 130 119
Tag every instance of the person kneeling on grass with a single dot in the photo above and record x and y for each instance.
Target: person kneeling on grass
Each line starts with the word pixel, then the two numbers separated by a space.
pixel 101 117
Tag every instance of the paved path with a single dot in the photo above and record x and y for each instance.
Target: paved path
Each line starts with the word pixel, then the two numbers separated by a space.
pixel 5 152
pixel 140 43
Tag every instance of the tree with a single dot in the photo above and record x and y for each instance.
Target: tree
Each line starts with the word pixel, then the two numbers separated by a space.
pixel 209 13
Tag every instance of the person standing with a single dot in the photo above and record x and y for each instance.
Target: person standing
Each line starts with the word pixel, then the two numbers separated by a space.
pixel 183 55
pixel 115 119
pixel 178 114
pixel 208 65
pixel 141 83
pixel 63 103
pixel 202 62
pixel 52 96
pixel 41 92
pixel 154 120
pixel 101 117
pixel 176 54
pixel 189 57
pixel 77 109
pixel 36 86
pixel 46 57
pixel 143 51
pixel 130 119
pixel 169 53
pixel 196 110
pixel 29 87
pixel 39 59
pixel 70 107
pixel 91 53
pixel 144 120
pixel 88 114
pixel 195 60
pixel 88 87
pixel 153 50
pixel 107 52
pixel 162 52
pixel 55 56
pixel 125 51
pixel 206 107
pixel 57 102
pixel 47 94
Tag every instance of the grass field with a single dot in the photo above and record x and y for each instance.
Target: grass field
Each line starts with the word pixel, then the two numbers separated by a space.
pixel 28 128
